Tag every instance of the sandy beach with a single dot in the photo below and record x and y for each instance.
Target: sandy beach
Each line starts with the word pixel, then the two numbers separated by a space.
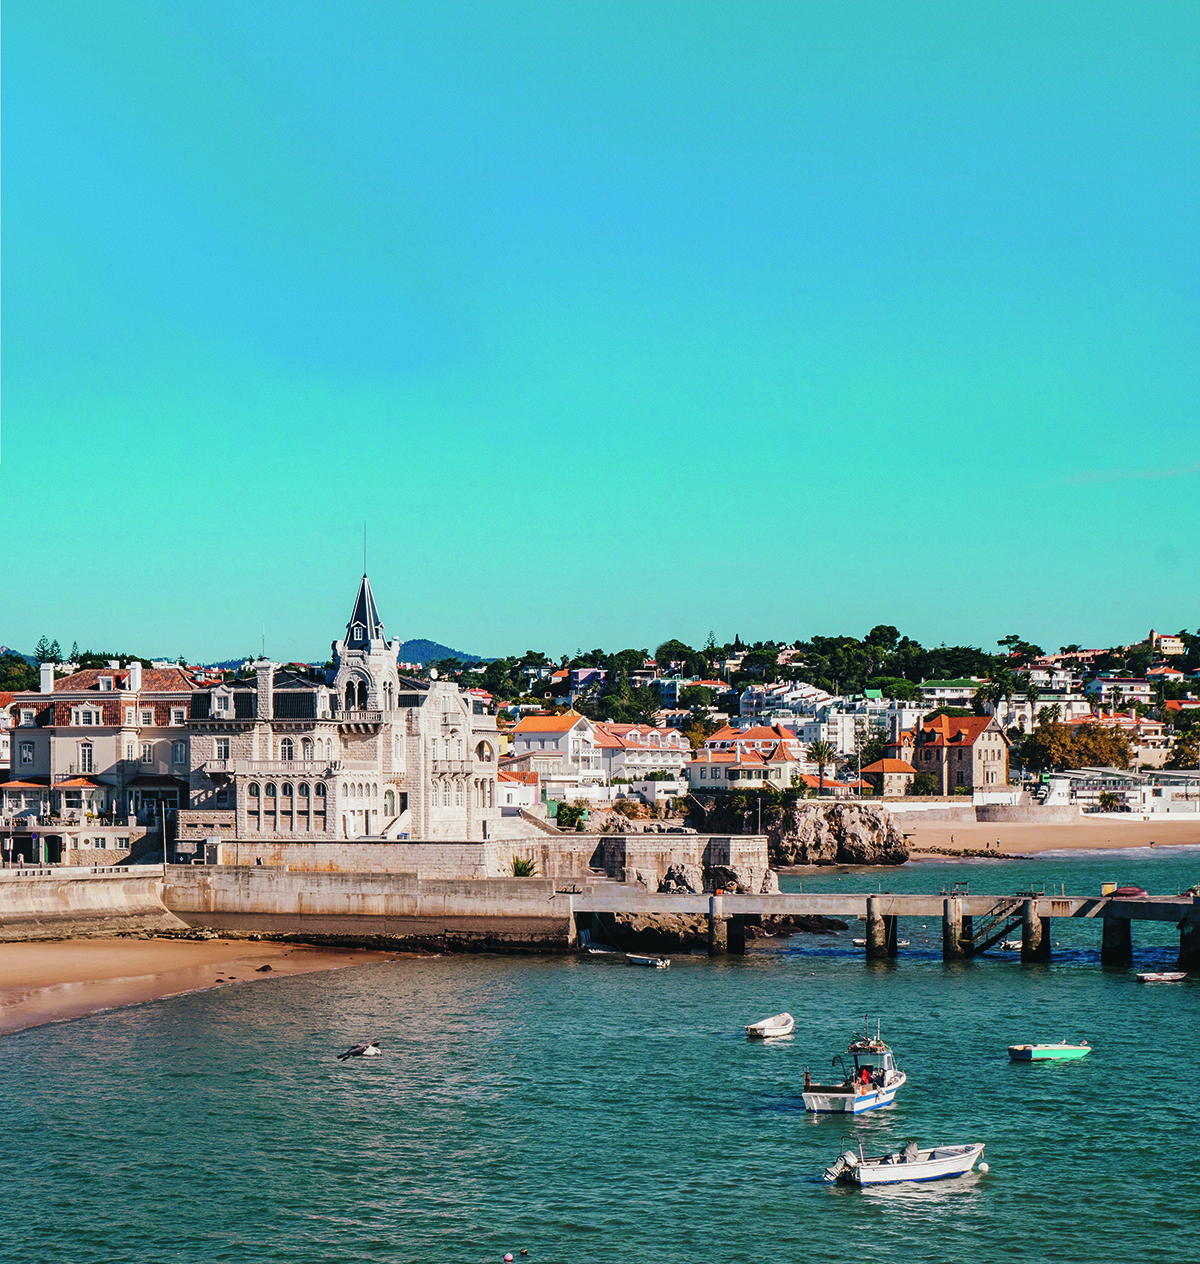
pixel 49 981
pixel 1081 835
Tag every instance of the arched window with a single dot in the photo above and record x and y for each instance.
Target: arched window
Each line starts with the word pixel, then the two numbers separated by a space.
pixel 287 789
pixel 321 790
pixel 445 794
pixel 362 695
pixel 252 789
pixel 349 695
pixel 389 803
pixel 329 748
pixel 287 751
pixel 303 788
pixel 345 790
pixel 483 752
pixel 306 748
pixel 270 789
pixel 458 794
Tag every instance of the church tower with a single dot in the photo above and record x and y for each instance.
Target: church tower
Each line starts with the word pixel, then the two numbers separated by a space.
pixel 364 663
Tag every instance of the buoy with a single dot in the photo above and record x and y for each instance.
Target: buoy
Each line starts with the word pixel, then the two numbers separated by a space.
pixel 508 1258
pixel 983 1167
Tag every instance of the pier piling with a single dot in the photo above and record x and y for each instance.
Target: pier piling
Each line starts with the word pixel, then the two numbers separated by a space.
pixel 718 932
pixel 890 933
pixel 1035 934
pixel 1116 942
pixel 1189 946
pixel 952 948
pixel 877 946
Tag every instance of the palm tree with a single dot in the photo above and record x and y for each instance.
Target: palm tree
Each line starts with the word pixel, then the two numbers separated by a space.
pixel 821 753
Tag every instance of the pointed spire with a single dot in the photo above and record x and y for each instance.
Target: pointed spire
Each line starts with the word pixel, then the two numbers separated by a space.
pixel 365 616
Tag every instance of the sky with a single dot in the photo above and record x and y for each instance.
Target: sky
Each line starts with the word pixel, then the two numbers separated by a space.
pixel 611 322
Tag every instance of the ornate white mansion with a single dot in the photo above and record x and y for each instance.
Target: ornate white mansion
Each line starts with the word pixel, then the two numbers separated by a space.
pixel 353 752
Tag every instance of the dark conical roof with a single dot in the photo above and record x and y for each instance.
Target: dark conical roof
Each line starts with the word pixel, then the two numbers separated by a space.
pixel 365 613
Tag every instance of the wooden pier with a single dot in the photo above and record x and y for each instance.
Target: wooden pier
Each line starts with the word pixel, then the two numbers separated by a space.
pixel 971 924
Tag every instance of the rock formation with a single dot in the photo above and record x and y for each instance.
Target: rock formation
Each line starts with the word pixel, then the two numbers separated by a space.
pixel 809 833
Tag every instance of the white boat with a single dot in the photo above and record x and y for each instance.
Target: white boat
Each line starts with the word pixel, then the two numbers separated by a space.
pixel 776 1025
pixel 1011 945
pixel 874 1081
pixel 910 1164
pixel 652 963
pixel 1162 976
pixel 900 943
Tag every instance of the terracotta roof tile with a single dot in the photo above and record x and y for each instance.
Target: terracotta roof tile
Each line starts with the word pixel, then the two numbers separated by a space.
pixel 548 723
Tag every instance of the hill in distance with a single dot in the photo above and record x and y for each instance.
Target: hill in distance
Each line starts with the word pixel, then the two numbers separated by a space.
pixel 423 651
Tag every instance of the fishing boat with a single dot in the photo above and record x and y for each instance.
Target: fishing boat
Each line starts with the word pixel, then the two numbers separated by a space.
pixel 651 963
pixel 768 1028
pixel 1162 976
pixel 872 1083
pixel 938 1163
pixel 1061 1052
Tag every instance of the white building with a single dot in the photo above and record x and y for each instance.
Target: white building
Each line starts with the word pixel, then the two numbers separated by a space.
pixel 634 750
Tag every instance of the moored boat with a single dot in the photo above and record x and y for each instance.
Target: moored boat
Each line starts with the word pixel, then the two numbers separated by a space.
pixel 910 1164
pixel 872 1083
pixel 652 963
pixel 767 1028
pixel 1061 1052
pixel 1162 976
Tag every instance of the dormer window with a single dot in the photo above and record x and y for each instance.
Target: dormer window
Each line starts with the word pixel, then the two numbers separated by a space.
pixel 358 632
pixel 222 701
pixel 106 684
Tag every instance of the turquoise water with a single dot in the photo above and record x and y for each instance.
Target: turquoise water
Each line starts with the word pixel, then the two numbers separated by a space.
pixel 587 1111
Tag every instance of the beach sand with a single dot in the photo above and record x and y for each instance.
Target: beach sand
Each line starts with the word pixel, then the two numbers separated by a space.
pixel 1081 835
pixel 49 981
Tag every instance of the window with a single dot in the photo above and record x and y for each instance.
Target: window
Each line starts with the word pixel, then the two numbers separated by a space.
pixel 222 702
pixel 89 717
pixel 147 752
pixel 178 715
pixel 304 790
pixel 27 752
pixel 270 790
pixel 223 797
pixel 26 717
pixel 179 752
pixel 458 794
pixel 129 715
pixel 147 719
pixel 85 757
pixel 703 775
pixel 287 789
pixel 321 791
pixel 129 750
pixel 286 750
pixel 252 789
pixel 445 794
pixel 221 748
pixel 306 748
pixel 106 683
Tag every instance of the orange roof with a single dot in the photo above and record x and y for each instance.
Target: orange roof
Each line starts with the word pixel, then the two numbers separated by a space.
pixel 955 730
pixel 548 723
pixel 78 783
pixel 22 785
pixel 525 778
pixel 890 765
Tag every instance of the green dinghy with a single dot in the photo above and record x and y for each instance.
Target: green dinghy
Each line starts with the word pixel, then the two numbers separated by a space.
pixel 1061 1052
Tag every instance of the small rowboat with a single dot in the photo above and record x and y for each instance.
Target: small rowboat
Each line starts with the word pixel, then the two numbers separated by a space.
pixel 938 1163
pixel 776 1025
pixel 651 963
pixel 1061 1052
pixel 1163 976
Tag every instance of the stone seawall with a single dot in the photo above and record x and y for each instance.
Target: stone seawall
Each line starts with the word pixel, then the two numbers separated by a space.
pixel 70 902
pixel 500 913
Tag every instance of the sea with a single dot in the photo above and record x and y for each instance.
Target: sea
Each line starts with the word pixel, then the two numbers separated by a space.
pixel 578 1109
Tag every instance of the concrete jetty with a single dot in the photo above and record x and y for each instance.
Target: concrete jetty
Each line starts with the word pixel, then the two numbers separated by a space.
pixel 534 914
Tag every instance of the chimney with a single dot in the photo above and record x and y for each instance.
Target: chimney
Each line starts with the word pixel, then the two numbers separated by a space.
pixel 266 690
pixel 135 676
pixel 46 677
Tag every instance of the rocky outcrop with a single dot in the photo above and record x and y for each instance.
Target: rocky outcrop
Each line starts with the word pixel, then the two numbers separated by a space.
pixel 682 878
pixel 809 833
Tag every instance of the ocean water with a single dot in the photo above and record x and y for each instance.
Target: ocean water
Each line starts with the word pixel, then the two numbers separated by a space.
pixel 584 1110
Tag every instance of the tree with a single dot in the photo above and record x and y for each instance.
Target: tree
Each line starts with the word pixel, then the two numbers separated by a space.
pixel 923 783
pixel 822 754
pixel 16 674
pixel 874 748
pixel 672 651
pixel 692 696
pixel 41 651
pixel 74 651
pixel 1109 802
pixel 55 652
pixel 1184 750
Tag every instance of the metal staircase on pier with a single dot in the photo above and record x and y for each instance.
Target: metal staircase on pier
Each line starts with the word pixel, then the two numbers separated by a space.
pixel 996 924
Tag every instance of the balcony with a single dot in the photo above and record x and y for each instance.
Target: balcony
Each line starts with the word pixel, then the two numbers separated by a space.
pixel 271 767
pixel 442 766
pixel 359 717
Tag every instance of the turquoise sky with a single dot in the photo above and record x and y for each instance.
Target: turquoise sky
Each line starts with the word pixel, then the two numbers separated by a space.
pixel 613 321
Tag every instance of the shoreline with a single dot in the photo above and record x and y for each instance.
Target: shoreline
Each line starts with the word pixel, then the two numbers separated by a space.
pixel 57 980
pixel 1029 839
